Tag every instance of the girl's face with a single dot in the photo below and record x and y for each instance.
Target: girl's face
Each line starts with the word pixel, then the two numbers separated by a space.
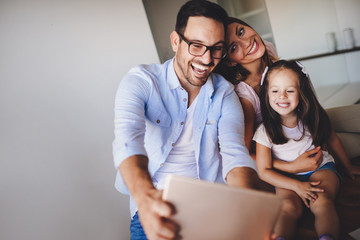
pixel 283 91
pixel 245 45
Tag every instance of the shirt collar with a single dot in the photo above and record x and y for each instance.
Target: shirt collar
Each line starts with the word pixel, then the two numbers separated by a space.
pixel 172 79
pixel 209 85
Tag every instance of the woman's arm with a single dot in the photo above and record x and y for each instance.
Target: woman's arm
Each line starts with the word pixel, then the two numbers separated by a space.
pixel 249 115
pixel 339 151
pixel 305 190
pixel 308 161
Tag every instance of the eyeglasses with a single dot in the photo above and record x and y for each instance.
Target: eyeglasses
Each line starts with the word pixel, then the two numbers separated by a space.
pixel 198 49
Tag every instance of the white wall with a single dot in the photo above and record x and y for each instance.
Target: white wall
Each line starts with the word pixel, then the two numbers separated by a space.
pixel 157 11
pixel 299 29
pixel 60 65
pixel 348 12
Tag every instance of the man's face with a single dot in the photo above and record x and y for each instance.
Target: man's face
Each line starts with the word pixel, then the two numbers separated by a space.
pixel 193 71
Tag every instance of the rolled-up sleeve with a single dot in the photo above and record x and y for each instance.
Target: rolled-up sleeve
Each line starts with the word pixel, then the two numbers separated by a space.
pixel 129 120
pixel 231 135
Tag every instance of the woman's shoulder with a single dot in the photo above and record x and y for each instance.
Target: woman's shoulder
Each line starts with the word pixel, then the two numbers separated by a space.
pixel 244 90
pixel 271 49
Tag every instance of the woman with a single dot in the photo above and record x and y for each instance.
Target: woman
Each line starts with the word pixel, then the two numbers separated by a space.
pixel 246 59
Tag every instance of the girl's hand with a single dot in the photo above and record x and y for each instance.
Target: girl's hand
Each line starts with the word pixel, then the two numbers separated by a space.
pixel 307 191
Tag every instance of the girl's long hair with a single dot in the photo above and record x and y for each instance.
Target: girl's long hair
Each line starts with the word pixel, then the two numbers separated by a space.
pixel 309 111
pixel 237 73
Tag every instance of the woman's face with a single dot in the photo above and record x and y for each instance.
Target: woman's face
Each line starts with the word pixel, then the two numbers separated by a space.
pixel 245 45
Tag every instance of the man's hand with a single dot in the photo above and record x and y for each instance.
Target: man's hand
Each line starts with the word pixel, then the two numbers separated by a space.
pixel 154 215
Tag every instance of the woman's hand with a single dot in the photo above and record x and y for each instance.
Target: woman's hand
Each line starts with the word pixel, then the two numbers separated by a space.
pixel 353 171
pixel 307 191
pixel 308 161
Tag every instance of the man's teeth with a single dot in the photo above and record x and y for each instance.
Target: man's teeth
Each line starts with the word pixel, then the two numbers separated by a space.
pixel 253 48
pixel 199 67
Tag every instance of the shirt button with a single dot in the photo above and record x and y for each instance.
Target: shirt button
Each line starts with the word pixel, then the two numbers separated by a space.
pixel 173 144
pixel 161 164
pixel 182 123
pixel 158 121
pixel 184 99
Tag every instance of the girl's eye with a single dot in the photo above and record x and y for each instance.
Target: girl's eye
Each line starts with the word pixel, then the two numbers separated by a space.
pixel 274 91
pixel 290 91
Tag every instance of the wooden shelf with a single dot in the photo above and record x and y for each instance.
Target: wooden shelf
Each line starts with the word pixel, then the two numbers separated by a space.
pixel 328 54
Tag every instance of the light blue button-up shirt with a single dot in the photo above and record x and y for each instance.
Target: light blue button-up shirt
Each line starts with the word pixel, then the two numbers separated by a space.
pixel 150 106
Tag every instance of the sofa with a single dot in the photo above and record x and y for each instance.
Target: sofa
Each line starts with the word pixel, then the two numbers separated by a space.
pixel 346 122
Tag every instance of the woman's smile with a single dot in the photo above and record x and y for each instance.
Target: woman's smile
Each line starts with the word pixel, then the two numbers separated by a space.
pixel 254 48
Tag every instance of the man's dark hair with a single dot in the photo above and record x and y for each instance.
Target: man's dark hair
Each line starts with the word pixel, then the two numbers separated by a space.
pixel 200 8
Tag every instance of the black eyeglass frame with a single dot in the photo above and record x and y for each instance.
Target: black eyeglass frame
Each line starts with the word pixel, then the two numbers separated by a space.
pixel 189 43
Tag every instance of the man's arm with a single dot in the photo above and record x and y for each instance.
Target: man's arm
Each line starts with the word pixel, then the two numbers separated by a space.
pixel 243 177
pixel 130 156
pixel 238 166
pixel 153 212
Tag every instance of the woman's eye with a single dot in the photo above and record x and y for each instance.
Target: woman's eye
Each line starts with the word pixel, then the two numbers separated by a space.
pixel 241 32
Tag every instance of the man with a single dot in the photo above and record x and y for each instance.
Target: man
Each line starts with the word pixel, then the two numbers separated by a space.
pixel 179 118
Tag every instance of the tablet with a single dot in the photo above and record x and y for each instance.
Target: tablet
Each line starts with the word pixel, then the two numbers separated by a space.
pixel 214 211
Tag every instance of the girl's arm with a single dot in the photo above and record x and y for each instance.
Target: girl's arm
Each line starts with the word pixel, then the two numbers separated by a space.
pixel 338 149
pixel 305 190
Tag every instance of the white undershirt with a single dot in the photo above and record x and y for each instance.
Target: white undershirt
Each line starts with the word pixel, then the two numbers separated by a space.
pixel 181 160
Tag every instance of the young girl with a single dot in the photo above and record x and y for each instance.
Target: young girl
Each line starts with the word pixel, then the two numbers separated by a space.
pixel 294 122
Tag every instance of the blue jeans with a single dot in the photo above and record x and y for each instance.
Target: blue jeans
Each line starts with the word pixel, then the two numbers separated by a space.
pixel 136 230
pixel 305 177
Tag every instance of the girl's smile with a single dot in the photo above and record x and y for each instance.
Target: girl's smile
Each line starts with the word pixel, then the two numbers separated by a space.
pixel 283 92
